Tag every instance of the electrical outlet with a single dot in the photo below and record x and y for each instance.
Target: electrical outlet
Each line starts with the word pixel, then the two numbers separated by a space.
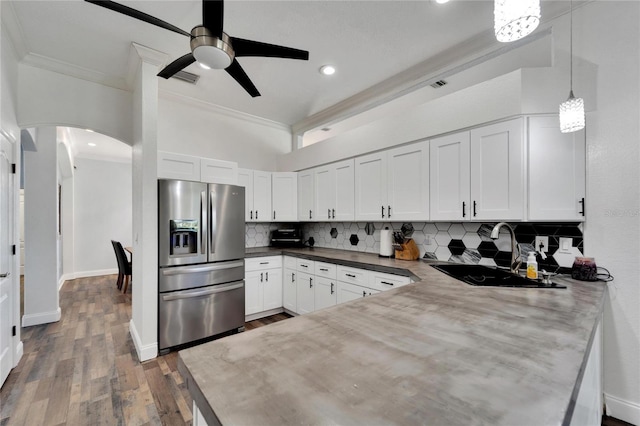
pixel 544 242
pixel 565 245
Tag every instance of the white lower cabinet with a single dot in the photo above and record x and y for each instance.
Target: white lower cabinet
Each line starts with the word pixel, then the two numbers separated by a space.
pixel 325 293
pixel 347 292
pixel 382 281
pixel 305 293
pixel 289 290
pixel 262 285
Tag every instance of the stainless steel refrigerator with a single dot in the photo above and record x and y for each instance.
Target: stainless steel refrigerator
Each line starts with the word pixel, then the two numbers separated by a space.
pixel 201 235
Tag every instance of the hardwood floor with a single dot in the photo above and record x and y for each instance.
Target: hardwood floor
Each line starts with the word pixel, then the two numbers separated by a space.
pixel 83 370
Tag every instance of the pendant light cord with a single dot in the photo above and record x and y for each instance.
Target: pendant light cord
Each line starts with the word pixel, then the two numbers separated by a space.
pixel 571 47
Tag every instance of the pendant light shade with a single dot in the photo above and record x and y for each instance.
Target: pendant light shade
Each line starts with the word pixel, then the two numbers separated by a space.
pixel 571 110
pixel 515 19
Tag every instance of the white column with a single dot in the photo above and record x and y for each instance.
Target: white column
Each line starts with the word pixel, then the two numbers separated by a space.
pixel 41 230
pixel 144 321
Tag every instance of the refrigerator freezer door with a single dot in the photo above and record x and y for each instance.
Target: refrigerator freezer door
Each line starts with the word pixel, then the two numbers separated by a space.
pixel 193 276
pixel 227 225
pixel 182 222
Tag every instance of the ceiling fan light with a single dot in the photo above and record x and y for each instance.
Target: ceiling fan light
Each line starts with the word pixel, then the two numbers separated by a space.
pixel 515 19
pixel 212 57
pixel 572 114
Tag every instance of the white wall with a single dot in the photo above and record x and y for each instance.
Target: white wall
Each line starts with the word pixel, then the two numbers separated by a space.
pixel 607 33
pixel 102 212
pixel 195 128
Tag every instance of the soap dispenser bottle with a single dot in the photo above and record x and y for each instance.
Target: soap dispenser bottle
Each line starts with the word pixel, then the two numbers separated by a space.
pixel 532 266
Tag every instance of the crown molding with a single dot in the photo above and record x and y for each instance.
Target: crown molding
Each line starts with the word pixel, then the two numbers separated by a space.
pixel 139 54
pixel 220 110
pixel 14 31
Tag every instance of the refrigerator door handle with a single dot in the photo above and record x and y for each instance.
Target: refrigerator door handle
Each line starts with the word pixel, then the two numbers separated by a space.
pixel 203 222
pixel 213 228
pixel 192 294
pixel 195 269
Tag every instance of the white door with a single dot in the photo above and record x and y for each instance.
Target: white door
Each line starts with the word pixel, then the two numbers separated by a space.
pixel 371 187
pixel 272 289
pixel 245 178
pixel 284 196
pixel 556 171
pixel 408 169
pixel 253 292
pixel 304 293
pixel 289 290
pixel 262 196
pixel 6 263
pixel 325 293
pixel 325 193
pixel 306 208
pixel 449 177
pixel 344 191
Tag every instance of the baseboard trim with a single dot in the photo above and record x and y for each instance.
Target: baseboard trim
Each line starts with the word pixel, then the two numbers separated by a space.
pixel 41 318
pixel 622 409
pixel 87 274
pixel 147 352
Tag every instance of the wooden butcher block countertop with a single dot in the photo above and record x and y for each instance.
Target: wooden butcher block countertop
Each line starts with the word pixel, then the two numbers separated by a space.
pixel 436 352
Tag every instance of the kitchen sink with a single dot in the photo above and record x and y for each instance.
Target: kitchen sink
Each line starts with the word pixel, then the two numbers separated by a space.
pixel 486 276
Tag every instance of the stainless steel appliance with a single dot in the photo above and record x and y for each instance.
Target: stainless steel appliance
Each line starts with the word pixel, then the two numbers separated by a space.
pixel 201 233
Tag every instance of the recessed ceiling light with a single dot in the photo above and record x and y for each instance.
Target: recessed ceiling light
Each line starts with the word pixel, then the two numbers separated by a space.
pixel 442 1
pixel 91 144
pixel 204 66
pixel 327 69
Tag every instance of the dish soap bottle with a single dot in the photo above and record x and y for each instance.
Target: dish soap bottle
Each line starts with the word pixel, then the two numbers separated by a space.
pixel 532 266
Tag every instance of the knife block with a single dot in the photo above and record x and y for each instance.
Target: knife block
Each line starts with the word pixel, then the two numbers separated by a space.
pixel 409 251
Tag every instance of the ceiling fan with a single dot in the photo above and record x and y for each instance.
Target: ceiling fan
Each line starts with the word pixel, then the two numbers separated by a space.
pixel 210 45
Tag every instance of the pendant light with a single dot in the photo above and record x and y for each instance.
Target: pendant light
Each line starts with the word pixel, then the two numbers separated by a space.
pixel 515 19
pixel 571 110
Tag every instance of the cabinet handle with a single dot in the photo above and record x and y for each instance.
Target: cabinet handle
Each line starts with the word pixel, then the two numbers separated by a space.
pixel 364 293
pixel 331 288
pixel 264 263
pixel 274 215
pixel 385 282
pixel 256 214
pixel 350 275
pixel 382 211
pixel 333 213
pixel 324 269
pixel 310 282
pixel 474 209
pixel 328 213
pixel 251 214
pixel 389 212
pixel 304 266
pixel 261 276
pixel 266 276
pixel 581 202
pixel 309 214
pixel 293 277
pixel 464 209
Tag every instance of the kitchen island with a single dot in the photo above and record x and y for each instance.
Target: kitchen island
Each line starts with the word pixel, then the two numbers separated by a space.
pixel 437 351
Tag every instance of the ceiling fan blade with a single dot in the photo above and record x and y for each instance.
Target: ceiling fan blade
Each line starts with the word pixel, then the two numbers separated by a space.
pixel 236 71
pixel 126 10
pixel 177 65
pixel 213 15
pixel 244 47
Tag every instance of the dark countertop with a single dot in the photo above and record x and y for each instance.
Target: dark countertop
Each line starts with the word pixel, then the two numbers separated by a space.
pixel 437 351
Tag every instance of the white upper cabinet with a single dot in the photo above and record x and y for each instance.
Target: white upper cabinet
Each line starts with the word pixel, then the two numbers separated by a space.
pixel 393 184
pixel 556 171
pixel 257 194
pixel 334 191
pixel 306 191
pixel 218 171
pixel 497 172
pixel 284 196
pixel 408 182
pixel 450 177
pixel 187 167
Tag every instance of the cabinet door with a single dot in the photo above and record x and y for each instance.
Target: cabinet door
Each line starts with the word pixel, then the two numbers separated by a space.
pixel 253 292
pixel 306 187
pixel 449 177
pixel 284 196
pixel 178 166
pixel 305 292
pixel 272 289
pixel 371 187
pixel 408 171
pixel 325 193
pixel 497 172
pixel 347 292
pixel 245 178
pixel 218 171
pixel 556 171
pixel 262 196
pixel 325 293
pixel 289 287
pixel 344 191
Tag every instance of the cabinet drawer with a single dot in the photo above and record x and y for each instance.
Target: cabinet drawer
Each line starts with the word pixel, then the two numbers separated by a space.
pixel 305 265
pixel 353 275
pixel 290 262
pixel 261 263
pixel 382 281
pixel 327 270
pixel 346 292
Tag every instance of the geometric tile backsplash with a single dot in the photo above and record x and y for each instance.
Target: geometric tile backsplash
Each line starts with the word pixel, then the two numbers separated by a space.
pixel 467 242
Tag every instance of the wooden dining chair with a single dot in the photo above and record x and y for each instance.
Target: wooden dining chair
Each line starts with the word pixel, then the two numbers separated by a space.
pixel 124 266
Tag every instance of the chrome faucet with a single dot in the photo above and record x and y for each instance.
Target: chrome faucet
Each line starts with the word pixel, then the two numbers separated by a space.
pixel 516 260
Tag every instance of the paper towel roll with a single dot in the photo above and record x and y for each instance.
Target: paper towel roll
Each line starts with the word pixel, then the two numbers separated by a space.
pixel 386 247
